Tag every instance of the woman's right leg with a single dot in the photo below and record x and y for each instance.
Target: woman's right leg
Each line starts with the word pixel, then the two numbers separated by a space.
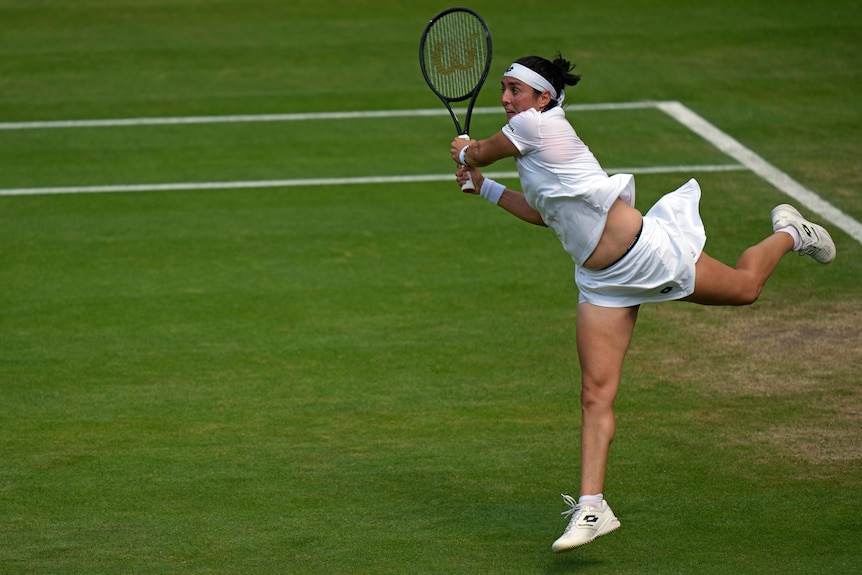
pixel 603 336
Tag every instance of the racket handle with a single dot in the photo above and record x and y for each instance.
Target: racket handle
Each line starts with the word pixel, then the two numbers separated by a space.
pixel 468 185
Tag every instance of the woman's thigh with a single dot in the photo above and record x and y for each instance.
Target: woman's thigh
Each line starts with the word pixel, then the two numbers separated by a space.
pixel 604 335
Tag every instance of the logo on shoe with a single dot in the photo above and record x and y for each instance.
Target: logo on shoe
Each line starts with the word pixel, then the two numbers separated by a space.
pixel 807 231
pixel 591 518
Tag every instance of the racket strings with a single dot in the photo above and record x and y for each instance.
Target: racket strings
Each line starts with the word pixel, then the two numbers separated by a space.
pixel 456 51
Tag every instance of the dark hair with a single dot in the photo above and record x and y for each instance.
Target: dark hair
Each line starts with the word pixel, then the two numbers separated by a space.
pixel 558 72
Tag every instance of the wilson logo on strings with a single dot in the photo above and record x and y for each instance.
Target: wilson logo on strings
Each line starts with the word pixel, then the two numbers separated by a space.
pixel 453 55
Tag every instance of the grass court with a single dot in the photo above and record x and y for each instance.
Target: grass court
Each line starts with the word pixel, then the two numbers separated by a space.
pixel 357 369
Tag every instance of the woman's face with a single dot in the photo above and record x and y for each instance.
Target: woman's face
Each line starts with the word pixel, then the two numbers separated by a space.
pixel 518 97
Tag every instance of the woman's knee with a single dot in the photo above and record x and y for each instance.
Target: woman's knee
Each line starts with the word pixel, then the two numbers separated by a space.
pixel 749 293
pixel 598 394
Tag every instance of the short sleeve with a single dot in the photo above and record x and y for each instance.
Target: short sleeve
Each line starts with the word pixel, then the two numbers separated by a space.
pixel 523 130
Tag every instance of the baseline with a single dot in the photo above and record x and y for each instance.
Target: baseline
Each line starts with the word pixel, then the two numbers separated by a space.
pixel 300 117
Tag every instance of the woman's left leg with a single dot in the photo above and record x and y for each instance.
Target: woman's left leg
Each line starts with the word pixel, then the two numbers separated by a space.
pixel 719 284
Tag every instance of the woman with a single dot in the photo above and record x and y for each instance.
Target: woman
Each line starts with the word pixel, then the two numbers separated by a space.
pixel 622 258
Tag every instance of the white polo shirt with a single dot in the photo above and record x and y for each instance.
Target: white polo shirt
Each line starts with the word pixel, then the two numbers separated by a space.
pixel 563 181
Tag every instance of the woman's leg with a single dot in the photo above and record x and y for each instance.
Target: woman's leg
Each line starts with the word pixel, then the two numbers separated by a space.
pixel 719 284
pixel 603 336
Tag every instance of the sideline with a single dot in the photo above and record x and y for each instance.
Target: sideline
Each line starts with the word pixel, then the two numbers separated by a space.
pixel 799 193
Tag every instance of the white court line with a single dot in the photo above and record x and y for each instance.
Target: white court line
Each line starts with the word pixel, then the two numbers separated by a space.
pixel 802 195
pixel 327 181
pixel 246 118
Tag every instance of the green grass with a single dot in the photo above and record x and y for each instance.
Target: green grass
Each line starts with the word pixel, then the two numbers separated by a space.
pixel 382 379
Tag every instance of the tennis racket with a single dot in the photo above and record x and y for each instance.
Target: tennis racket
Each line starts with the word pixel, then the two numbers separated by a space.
pixel 455 56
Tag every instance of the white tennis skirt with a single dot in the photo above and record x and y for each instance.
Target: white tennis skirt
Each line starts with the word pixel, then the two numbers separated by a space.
pixel 660 266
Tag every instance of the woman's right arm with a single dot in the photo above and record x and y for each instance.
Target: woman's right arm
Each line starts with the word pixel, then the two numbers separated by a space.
pixel 516 204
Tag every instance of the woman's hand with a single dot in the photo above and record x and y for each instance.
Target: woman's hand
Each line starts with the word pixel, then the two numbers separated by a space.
pixel 457 145
pixel 466 171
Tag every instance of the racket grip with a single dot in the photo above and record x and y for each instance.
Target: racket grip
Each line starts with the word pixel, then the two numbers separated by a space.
pixel 468 186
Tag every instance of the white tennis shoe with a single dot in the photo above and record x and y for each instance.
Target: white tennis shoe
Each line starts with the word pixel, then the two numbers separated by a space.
pixel 586 524
pixel 816 241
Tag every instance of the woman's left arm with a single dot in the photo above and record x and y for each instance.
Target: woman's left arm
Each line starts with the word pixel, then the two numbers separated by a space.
pixel 480 153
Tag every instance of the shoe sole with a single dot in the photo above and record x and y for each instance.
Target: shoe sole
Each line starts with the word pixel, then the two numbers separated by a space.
pixel 607 528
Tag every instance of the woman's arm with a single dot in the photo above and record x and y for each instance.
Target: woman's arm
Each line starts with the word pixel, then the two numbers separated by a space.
pixel 480 153
pixel 510 200
pixel 515 203
pixel 483 153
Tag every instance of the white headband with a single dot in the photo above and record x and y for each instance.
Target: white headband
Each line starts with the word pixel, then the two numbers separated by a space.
pixel 534 80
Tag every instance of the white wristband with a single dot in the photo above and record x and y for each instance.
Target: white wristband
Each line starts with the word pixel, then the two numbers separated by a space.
pixel 462 159
pixel 492 191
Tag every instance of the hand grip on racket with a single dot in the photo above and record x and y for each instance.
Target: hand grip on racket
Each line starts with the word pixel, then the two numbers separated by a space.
pixel 467 186
pixel 455 56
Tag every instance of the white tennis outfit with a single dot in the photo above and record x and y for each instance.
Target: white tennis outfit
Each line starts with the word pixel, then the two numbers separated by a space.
pixel 564 182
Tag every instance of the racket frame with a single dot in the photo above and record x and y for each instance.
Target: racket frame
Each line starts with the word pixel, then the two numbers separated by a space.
pixel 472 94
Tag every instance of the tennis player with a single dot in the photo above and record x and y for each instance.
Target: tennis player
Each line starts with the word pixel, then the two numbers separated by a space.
pixel 622 258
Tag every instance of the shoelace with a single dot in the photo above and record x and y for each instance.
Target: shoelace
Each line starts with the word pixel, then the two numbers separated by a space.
pixel 570 501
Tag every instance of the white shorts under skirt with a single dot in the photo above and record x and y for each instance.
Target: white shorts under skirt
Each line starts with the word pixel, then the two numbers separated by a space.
pixel 660 266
